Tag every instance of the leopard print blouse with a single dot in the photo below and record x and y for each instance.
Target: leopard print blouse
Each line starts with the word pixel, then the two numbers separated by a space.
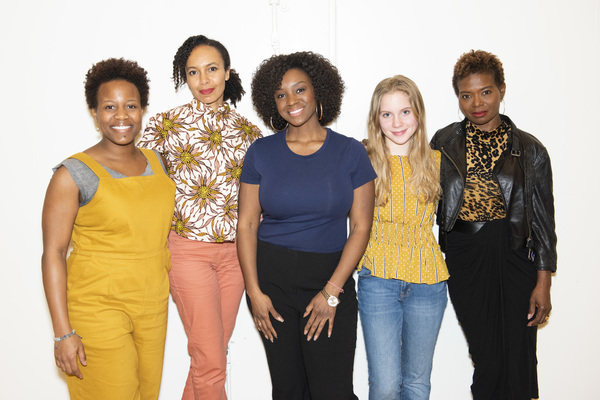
pixel 482 198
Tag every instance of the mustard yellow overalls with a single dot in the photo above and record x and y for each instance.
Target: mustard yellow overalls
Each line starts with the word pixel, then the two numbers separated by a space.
pixel 118 285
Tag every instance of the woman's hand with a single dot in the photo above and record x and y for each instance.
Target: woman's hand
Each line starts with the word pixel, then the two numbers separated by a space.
pixel 261 308
pixel 66 353
pixel 540 299
pixel 320 313
pixel 247 239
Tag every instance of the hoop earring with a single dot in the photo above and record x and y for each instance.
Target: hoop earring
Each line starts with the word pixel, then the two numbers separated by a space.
pixel 275 129
pixel 503 107
pixel 317 111
pixel 460 114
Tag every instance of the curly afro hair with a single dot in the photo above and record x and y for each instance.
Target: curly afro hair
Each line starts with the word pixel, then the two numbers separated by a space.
pixel 233 87
pixel 114 69
pixel 477 62
pixel 325 78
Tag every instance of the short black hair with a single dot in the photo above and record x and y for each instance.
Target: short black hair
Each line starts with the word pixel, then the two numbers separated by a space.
pixel 114 69
pixel 233 87
pixel 325 78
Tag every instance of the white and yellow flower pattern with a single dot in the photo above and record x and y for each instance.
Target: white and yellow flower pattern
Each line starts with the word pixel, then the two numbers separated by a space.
pixel 205 152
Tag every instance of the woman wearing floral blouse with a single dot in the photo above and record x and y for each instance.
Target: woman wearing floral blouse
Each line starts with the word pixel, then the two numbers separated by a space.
pixel 204 142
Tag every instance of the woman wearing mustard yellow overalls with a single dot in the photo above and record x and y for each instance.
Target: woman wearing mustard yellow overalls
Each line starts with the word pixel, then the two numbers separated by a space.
pixel 114 202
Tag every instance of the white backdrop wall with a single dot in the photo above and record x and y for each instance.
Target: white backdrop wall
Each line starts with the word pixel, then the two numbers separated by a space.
pixel 551 55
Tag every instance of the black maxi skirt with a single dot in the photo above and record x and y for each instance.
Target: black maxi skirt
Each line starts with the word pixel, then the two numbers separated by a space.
pixel 490 285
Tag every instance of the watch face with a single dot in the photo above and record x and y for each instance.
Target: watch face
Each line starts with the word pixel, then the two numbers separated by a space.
pixel 333 301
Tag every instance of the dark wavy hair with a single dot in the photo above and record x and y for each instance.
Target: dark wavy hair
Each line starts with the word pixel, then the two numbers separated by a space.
pixel 233 87
pixel 114 69
pixel 477 62
pixel 325 78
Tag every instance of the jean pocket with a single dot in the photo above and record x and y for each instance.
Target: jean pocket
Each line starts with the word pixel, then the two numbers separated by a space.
pixel 364 272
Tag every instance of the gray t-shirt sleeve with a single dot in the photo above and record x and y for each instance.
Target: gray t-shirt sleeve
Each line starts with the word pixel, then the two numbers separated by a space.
pixel 85 179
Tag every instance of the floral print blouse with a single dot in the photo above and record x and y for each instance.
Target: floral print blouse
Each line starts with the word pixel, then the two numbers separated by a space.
pixel 205 152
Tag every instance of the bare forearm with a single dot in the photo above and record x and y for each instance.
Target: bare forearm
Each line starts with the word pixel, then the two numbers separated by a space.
pixel 361 219
pixel 246 247
pixel 351 255
pixel 54 275
pixel 544 279
pixel 247 235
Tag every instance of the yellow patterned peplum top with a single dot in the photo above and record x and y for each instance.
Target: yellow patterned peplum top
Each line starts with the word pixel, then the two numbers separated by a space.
pixel 402 244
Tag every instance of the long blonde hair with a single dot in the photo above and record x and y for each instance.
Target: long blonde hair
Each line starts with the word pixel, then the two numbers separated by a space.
pixel 425 178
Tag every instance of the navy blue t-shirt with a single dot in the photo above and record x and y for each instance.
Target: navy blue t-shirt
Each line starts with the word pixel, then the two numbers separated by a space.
pixel 306 199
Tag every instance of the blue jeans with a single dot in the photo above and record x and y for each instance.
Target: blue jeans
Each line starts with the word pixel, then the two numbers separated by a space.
pixel 400 323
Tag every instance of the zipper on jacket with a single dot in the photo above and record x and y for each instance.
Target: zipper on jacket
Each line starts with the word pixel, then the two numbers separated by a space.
pixel 528 205
pixel 515 153
pixel 462 192
pixel 528 201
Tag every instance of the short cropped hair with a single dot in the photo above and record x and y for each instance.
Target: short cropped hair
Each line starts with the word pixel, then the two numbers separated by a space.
pixel 114 69
pixel 477 62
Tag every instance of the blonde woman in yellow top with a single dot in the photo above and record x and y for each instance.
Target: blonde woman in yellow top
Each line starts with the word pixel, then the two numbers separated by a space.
pixel 402 278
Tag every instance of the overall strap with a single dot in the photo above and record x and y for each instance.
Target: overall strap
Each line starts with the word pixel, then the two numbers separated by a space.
pixel 92 164
pixel 154 162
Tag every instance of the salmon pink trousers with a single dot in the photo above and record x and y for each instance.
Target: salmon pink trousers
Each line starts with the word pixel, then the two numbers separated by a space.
pixel 207 286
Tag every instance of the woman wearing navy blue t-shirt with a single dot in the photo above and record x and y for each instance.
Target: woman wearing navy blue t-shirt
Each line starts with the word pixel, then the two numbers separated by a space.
pixel 305 180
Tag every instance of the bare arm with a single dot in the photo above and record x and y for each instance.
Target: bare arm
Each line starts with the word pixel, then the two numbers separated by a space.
pixel 58 216
pixel 247 239
pixel 361 219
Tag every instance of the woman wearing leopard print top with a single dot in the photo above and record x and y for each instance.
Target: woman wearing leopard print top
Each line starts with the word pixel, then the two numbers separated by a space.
pixel 496 219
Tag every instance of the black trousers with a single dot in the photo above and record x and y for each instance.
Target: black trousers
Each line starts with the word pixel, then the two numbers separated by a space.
pixel 301 369
pixel 490 285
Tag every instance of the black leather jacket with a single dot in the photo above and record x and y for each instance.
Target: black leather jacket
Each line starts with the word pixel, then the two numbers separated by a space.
pixel 524 176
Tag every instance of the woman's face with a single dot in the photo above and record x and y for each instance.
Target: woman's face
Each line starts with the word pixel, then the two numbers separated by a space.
pixel 119 112
pixel 295 98
pixel 397 121
pixel 479 100
pixel 206 75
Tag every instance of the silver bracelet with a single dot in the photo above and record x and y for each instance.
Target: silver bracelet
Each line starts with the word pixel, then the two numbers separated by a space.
pixel 68 335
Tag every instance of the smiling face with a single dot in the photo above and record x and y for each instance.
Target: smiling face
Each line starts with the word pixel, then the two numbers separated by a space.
pixel 295 98
pixel 119 112
pixel 479 100
pixel 397 121
pixel 206 75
